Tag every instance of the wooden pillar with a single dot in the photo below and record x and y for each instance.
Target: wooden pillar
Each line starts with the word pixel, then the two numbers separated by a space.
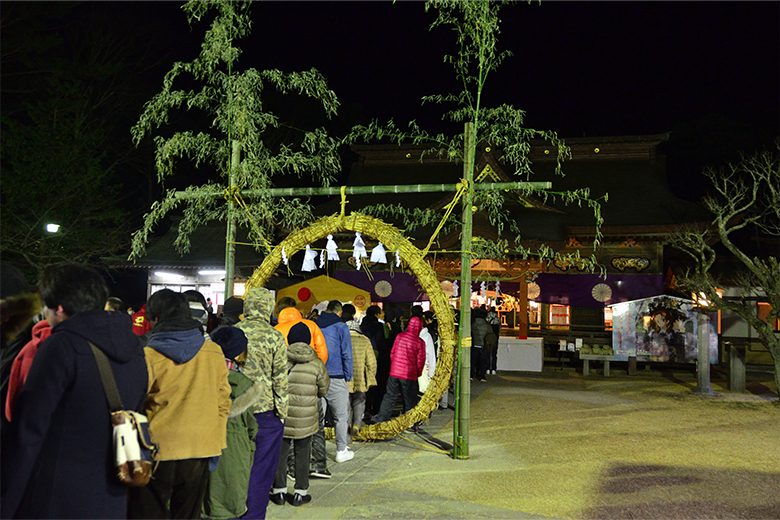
pixel 632 365
pixel 522 310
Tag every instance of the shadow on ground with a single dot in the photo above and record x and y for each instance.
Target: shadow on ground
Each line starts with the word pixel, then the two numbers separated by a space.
pixel 677 492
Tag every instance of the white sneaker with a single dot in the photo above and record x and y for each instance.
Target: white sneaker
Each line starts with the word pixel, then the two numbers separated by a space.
pixel 345 455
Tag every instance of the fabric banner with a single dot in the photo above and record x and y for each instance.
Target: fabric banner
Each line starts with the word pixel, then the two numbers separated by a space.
pixel 385 286
pixel 591 290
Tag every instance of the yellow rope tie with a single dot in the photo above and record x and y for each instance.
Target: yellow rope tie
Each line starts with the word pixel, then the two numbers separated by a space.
pixel 233 193
pixel 463 185
pixel 367 270
pixel 343 201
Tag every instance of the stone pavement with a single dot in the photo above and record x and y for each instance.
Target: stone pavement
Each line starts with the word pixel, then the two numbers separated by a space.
pixel 559 445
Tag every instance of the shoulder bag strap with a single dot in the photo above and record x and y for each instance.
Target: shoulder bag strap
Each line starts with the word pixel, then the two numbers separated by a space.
pixel 107 378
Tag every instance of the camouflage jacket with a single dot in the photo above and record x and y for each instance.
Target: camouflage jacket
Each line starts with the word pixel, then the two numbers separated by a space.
pixel 266 362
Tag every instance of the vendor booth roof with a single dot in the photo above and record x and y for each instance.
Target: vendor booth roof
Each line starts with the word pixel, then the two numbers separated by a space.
pixel 323 288
pixel 385 286
pixel 580 290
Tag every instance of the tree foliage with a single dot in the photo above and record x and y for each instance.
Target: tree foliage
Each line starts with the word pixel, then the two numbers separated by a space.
pixel 477 27
pixel 746 196
pixel 241 143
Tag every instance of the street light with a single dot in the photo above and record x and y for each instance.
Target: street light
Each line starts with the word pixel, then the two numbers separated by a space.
pixel 52 228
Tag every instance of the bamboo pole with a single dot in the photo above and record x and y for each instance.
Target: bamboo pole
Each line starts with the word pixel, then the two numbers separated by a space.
pixel 368 190
pixel 463 391
pixel 230 239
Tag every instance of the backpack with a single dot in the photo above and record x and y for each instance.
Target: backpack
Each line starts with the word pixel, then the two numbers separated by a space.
pixel 490 341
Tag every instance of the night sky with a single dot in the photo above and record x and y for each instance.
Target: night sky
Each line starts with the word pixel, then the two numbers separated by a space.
pixel 580 68
pixel 709 72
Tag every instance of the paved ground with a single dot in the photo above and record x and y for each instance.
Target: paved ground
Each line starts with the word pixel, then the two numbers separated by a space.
pixel 558 445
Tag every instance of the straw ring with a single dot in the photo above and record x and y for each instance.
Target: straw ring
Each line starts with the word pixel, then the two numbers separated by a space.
pixel 392 238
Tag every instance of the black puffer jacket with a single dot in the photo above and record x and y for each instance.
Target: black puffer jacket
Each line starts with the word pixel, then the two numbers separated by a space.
pixel 306 382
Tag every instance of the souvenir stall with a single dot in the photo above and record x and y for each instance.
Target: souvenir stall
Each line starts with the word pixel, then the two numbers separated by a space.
pixel 325 288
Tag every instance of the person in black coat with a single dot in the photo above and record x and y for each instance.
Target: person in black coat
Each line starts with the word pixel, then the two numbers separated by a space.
pixel 373 327
pixel 61 461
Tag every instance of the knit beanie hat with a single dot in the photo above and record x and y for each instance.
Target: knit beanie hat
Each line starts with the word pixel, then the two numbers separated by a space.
pixel 232 340
pixel 299 333
pixel 233 304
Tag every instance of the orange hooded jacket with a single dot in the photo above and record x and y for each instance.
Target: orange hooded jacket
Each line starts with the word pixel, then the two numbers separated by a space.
pixel 289 317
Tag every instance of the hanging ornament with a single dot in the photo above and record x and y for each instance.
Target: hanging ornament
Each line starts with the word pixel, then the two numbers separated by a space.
pixel 455 289
pixel 359 250
pixel 322 259
pixel 284 256
pixel 332 248
pixel 397 259
pixel 498 288
pixel 308 260
pixel 359 246
pixel 378 254
pixel 483 289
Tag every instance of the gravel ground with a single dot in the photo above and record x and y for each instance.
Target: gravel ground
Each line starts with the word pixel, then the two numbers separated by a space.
pixel 559 445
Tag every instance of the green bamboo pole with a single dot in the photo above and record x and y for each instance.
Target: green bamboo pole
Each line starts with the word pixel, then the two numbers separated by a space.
pixel 230 240
pixel 368 190
pixel 463 396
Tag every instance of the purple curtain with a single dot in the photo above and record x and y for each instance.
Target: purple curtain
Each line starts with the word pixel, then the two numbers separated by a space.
pixel 404 288
pixel 577 290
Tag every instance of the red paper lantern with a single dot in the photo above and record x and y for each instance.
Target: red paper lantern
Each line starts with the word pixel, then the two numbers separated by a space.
pixel 304 294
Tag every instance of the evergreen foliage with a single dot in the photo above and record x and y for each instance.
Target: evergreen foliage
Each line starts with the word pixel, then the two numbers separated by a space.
pixel 242 144
pixel 476 24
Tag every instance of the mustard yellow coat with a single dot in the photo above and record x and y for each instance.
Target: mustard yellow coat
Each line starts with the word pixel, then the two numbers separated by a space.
pixel 188 404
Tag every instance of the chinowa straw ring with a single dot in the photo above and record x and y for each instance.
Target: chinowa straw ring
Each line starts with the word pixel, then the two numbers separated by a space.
pixel 393 240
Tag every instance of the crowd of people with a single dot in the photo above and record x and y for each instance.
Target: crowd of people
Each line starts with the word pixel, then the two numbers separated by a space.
pixel 238 403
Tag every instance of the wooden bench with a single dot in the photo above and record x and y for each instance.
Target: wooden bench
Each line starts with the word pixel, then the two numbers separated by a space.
pixel 587 358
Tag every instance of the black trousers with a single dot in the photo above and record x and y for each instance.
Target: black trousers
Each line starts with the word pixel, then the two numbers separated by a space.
pixel 480 361
pixel 408 390
pixel 182 483
pixel 319 453
pixel 302 456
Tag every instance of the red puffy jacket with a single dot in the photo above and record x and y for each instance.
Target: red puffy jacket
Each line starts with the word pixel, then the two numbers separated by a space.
pixel 407 357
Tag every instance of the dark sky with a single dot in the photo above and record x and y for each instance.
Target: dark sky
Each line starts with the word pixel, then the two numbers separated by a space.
pixel 592 68
pixel 579 68
pixel 709 72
